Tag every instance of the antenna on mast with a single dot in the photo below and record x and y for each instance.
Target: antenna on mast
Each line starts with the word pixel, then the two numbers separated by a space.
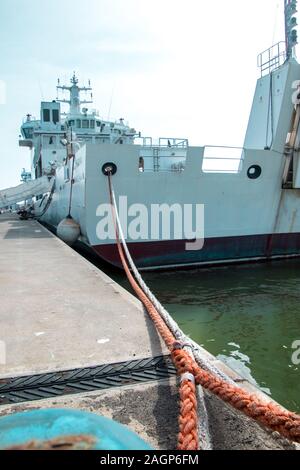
pixel 291 35
pixel 74 90
pixel 110 103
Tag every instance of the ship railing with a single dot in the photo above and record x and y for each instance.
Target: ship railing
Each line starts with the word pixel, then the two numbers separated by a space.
pixel 272 58
pixel 171 142
pixel 216 159
pixel 167 155
pixel 223 159
pixel 163 142
pixel 32 120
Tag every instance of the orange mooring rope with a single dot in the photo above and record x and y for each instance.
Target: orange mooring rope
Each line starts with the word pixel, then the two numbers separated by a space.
pixel 268 414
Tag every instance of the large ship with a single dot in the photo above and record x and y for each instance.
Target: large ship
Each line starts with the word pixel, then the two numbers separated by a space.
pixel 251 196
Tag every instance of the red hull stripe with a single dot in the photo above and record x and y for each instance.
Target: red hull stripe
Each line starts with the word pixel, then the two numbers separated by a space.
pixel 173 252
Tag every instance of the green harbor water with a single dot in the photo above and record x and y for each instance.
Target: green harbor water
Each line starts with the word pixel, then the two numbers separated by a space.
pixel 248 316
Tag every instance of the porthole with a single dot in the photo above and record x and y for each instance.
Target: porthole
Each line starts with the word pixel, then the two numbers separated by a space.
pixel 254 172
pixel 109 168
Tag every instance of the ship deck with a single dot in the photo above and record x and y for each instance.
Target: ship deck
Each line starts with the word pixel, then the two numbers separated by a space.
pixel 60 313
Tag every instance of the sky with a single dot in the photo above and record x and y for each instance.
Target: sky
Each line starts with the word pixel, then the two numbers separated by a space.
pixel 172 68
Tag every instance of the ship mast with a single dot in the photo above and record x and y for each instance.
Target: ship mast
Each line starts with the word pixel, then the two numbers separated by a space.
pixel 291 36
pixel 75 102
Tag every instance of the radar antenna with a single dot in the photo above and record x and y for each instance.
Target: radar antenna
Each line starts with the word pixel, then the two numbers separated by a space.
pixel 75 102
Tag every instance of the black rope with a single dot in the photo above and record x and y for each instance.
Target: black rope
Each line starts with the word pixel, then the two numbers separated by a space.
pixel 71 187
pixel 47 205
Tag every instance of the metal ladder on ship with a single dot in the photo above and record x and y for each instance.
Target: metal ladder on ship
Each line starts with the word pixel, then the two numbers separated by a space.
pixel 290 148
pixel 156 165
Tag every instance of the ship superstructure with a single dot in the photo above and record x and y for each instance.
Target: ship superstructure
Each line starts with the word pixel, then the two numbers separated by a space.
pixel 47 135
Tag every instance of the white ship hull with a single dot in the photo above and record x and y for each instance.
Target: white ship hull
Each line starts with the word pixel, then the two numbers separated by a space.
pixel 244 218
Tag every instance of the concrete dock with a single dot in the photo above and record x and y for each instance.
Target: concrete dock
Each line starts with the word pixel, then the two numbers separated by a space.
pixel 58 313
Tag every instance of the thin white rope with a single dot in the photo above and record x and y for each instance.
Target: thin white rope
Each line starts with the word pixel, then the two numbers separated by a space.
pixel 172 325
